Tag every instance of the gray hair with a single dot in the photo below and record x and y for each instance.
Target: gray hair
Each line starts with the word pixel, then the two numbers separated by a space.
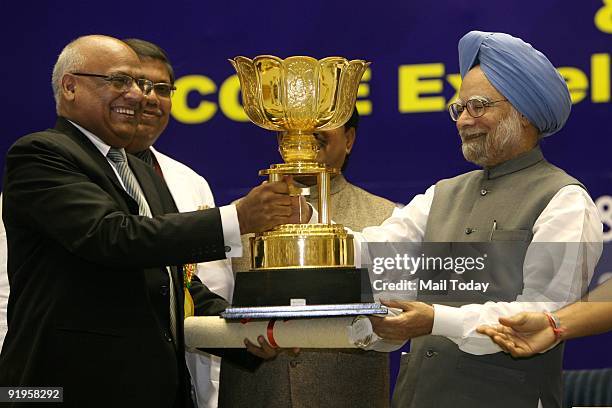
pixel 69 60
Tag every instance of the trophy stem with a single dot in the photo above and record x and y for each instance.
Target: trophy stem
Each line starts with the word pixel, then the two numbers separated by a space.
pixel 324 182
pixel 297 146
pixel 289 246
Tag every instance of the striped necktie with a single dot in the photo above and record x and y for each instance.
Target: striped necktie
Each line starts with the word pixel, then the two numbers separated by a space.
pixel 118 157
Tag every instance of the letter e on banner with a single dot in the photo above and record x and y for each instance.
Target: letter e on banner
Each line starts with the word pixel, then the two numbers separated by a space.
pixel 412 85
pixel 603 17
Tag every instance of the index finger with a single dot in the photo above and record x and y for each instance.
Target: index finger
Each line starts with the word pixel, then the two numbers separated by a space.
pixel 397 304
pixel 378 323
pixel 487 330
pixel 280 187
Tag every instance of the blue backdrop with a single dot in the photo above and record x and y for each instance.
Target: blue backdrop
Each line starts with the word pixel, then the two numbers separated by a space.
pixel 405 141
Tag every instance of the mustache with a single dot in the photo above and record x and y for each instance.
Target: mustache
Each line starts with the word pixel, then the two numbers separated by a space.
pixel 467 134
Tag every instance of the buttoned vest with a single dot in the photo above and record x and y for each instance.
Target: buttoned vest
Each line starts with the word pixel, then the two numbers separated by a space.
pixel 501 205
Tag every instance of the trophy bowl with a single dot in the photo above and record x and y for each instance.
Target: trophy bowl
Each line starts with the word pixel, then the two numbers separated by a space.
pixel 298 96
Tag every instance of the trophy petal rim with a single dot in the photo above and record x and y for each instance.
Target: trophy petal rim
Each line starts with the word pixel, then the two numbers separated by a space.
pixel 343 64
pixel 241 57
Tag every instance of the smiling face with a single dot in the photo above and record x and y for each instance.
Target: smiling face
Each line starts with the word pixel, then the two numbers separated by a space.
pixel 94 103
pixel 155 108
pixel 498 135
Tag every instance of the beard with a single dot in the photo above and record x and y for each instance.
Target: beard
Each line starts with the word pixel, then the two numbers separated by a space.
pixel 491 147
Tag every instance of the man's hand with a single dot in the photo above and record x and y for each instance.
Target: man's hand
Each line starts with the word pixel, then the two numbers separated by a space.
pixel 265 350
pixel 522 335
pixel 415 320
pixel 267 206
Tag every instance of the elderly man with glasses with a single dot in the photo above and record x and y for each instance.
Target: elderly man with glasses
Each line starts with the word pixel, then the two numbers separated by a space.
pixel 510 98
pixel 97 250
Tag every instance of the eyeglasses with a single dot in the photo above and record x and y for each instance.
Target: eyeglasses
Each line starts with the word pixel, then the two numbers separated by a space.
pixel 163 89
pixel 475 107
pixel 123 82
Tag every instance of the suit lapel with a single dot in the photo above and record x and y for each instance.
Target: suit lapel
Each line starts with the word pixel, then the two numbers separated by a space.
pixel 96 156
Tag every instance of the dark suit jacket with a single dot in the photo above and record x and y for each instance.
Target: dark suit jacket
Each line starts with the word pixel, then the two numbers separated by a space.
pixel 88 308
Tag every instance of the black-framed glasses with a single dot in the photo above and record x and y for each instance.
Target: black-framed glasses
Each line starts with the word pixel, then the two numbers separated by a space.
pixel 122 82
pixel 475 107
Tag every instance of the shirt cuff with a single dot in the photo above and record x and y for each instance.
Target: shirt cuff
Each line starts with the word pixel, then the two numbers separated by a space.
pixel 231 231
pixel 448 321
pixel 314 218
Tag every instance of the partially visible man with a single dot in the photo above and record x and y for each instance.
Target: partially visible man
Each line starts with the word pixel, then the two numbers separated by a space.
pixel 511 96
pixel 190 192
pixel 93 307
pixel 317 378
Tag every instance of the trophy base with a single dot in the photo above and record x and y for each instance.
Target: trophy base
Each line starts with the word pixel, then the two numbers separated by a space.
pixel 321 286
pixel 300 246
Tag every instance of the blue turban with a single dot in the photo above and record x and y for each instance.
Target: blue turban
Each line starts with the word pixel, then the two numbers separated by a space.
pixel 522 74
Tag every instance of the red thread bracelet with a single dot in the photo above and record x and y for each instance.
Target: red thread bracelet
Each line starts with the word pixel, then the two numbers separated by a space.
pixel 555 325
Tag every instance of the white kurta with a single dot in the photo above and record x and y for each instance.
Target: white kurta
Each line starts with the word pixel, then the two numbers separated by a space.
pixel 570 217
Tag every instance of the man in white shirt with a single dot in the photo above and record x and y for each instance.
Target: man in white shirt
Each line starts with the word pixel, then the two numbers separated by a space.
pixel 190 192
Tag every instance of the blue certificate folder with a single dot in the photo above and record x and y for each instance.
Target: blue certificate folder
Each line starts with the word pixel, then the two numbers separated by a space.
pixel 267 312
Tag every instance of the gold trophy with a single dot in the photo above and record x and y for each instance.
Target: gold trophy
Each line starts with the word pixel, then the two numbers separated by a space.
pixel 299 96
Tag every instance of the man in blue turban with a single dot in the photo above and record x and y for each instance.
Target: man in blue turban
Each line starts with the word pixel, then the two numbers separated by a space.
pixel 522 74
pixel 511 96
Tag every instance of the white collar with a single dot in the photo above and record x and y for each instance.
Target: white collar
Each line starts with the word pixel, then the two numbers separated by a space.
pixel 99 143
